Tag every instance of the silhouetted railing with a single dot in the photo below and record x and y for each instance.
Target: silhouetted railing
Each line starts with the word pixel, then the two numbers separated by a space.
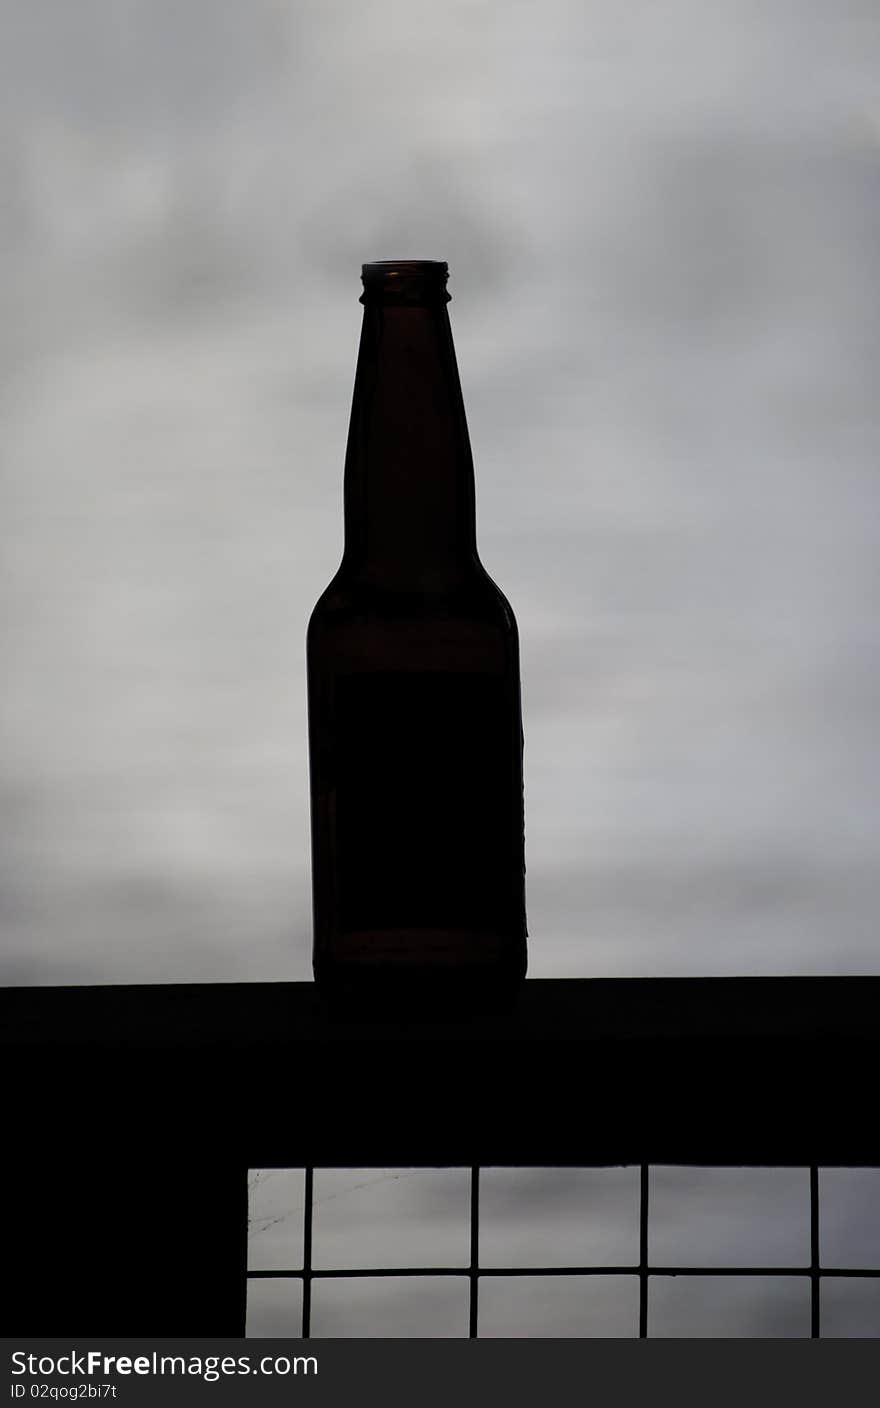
pixel 644 1269
pixel 135 1113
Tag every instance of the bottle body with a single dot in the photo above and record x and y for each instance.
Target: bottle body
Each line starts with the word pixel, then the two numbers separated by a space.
pixel 415 721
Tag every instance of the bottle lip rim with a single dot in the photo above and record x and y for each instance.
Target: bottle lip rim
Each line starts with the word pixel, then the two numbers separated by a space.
pixel 404 282
pixel 382 269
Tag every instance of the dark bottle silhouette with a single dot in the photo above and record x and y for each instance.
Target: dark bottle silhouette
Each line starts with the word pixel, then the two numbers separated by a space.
pixel 415 722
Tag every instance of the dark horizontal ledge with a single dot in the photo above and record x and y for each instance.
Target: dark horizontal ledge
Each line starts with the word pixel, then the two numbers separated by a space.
pixel 694 1070
pixel 232 1015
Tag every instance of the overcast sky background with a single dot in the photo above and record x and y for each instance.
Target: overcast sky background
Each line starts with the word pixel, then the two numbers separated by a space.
pixel 662 226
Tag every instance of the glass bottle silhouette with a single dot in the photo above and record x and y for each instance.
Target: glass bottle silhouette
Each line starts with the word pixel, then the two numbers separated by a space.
pixel 415 723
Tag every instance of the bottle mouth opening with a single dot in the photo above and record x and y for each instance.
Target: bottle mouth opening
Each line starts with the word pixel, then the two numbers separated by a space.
pixel 405 280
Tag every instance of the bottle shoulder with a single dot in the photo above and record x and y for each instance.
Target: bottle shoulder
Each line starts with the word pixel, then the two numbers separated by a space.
pixel 335 602
pixel 473 596
pixel 356 627
pixel 499 602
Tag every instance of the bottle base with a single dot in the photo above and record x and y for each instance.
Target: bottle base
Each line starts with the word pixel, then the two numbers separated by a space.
pixel 412 994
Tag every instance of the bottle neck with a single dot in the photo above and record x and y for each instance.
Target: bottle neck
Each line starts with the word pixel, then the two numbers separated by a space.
pixel 409 478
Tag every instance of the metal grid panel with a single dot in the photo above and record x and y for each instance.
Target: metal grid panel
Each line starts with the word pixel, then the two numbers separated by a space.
pixel 644 1270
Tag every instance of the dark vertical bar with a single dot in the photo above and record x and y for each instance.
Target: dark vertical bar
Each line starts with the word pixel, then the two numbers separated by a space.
pixel 244 1238
pixel 474 1269
pixel 643 1253
pixel 307 1254
pixel 138 1273
pixel 814 1252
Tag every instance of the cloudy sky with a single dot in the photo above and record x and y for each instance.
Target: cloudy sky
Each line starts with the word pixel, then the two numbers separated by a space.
pixel 661 223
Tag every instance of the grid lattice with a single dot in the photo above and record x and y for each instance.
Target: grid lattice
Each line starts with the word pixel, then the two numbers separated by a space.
pixel 644 1270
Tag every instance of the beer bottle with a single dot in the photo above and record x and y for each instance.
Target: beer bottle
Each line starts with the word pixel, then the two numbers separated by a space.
pixel 415 721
